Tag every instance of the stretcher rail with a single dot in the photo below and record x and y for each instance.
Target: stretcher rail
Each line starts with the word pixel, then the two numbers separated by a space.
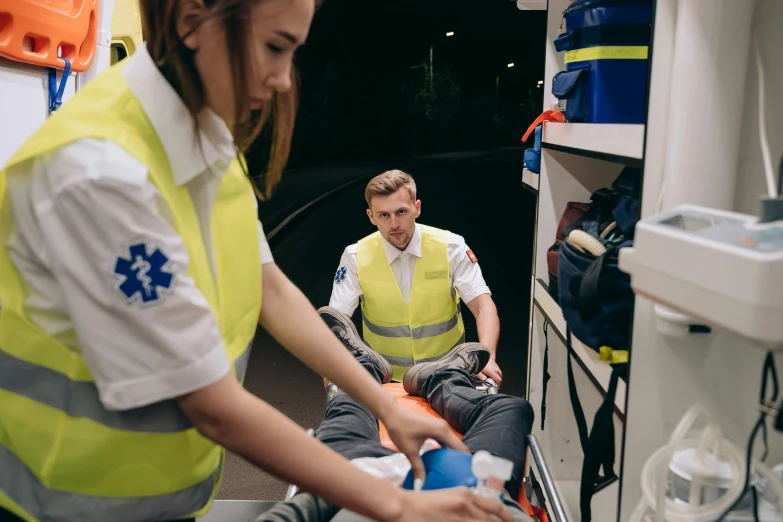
pixel 556 505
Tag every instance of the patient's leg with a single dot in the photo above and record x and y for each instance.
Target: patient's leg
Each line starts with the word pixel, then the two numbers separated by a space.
pixel 498 423
pixel 351 429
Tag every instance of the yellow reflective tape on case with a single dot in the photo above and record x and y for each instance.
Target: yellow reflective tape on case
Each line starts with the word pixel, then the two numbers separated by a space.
pixel 607 53
pixel 610 356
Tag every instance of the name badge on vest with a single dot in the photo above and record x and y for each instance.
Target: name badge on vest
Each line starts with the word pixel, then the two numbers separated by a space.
pixel 436 274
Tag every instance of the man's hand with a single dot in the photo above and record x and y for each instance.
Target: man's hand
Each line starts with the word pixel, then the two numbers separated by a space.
pixel 492 370
pixel 410 430
pixel 452 505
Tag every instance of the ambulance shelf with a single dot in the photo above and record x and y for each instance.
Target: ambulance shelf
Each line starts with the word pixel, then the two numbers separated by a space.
pixel 597 370
pixel 530 180
pixel 612 142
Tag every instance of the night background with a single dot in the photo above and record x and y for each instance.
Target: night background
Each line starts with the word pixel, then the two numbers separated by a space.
pixel 365 90
pixel 367 106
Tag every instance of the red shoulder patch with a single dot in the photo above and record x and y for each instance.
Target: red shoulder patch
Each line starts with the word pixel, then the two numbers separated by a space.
pixel 472 256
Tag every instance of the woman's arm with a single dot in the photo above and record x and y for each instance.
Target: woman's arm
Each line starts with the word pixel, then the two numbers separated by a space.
pixel 229 415
pixel 234 418
pixel 290 318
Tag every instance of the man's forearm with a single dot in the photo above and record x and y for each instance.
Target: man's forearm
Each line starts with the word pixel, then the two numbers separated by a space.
pixel 290 318
pixel 488 326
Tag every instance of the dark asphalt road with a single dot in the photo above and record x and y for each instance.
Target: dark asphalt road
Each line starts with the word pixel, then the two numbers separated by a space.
pixel 476 195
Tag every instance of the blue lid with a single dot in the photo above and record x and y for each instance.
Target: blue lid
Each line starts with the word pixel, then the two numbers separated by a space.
pixel 589 4
pixel 591 13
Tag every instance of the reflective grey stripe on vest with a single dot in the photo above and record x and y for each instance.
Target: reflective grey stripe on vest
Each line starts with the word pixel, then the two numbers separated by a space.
pixel 24 488
pixel 408 362
pixel 422 332
pixel 434 330
pixel 398 361
pixel 80 399
pixel 387 331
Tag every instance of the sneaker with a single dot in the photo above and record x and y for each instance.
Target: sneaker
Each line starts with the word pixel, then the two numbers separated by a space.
pixel 342 326
pixel 472 357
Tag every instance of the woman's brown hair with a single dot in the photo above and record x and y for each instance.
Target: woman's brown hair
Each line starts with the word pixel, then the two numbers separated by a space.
pixel 176 63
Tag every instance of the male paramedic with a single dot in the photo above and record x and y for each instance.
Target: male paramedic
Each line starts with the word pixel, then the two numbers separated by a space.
pixel 496 423
pixel 410 279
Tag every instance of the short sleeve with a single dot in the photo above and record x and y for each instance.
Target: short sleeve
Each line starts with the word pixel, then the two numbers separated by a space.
pixel 466 273
pixel 266 252
pixel 346 290
pixel 144 328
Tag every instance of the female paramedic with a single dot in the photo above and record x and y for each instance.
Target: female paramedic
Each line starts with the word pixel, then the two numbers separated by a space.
pixel 134 275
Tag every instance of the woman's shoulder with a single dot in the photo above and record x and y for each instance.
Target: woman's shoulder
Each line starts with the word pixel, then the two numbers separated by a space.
pixel 88 161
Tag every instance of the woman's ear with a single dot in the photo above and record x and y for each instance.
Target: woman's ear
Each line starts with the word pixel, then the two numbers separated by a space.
pixel 189 17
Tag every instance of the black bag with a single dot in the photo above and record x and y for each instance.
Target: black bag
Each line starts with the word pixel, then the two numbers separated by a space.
pixel 597 303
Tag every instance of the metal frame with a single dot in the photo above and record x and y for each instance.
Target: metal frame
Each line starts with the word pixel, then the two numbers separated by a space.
pixel 546 479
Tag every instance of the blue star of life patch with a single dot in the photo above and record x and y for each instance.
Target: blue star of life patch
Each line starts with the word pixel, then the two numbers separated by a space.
pixel 144 275
pixel 339 277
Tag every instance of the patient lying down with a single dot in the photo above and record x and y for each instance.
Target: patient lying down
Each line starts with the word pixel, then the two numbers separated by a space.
pixel 498 424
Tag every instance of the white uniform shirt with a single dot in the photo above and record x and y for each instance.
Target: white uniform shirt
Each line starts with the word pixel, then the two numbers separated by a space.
pixel 466 275
pixel 80 209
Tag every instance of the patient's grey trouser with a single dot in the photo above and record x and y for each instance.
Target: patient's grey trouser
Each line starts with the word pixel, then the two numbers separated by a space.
pixel 495 423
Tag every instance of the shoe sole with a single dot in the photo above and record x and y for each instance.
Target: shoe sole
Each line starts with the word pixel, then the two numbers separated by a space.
pixel 346 321
pixel 450 356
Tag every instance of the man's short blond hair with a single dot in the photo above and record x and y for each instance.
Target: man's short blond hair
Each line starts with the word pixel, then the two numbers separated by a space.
pixel 388 183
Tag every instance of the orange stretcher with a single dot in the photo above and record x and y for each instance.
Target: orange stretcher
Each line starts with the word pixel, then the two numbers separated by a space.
pixel 40 32
pixel 422 406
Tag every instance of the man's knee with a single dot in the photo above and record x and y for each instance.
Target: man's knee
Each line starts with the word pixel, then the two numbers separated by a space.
pixel 517 407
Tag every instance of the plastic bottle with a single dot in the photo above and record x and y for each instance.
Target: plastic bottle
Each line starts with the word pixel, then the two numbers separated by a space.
pixel 491 472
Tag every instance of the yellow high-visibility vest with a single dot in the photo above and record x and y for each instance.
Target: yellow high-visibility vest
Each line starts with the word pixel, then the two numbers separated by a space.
pixel 428 327
pixel 63 456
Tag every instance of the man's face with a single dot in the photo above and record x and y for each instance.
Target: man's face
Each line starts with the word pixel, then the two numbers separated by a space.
pixel 395 216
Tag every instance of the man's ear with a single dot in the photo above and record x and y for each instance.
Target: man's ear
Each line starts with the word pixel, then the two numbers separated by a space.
pixel 418 208
pixel 369 215
pixel 189 17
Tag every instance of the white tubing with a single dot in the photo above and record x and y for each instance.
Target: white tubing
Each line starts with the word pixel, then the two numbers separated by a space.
pixel 656 469
pixel 587 242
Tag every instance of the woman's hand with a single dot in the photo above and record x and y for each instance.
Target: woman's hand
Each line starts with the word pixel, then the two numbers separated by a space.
pixel 451 505
pixel 409 431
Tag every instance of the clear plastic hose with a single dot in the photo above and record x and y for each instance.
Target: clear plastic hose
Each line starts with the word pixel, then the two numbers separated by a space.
pixel 655 474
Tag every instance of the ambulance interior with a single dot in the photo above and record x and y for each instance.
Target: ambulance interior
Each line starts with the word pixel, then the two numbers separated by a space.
pixel 683 423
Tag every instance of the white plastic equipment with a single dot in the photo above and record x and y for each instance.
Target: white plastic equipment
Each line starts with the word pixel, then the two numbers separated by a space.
pixel 721 267
pixel 491 472
pixel 704 473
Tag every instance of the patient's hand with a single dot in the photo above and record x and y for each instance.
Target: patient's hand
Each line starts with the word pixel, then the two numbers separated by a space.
pixel 409 431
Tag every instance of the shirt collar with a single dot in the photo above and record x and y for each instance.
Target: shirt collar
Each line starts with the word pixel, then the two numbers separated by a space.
pixel 174 126
pixel 414 247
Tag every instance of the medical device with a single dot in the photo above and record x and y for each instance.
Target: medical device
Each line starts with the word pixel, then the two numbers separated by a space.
pixel 722 267
pixel 699 475
pixel 491 473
